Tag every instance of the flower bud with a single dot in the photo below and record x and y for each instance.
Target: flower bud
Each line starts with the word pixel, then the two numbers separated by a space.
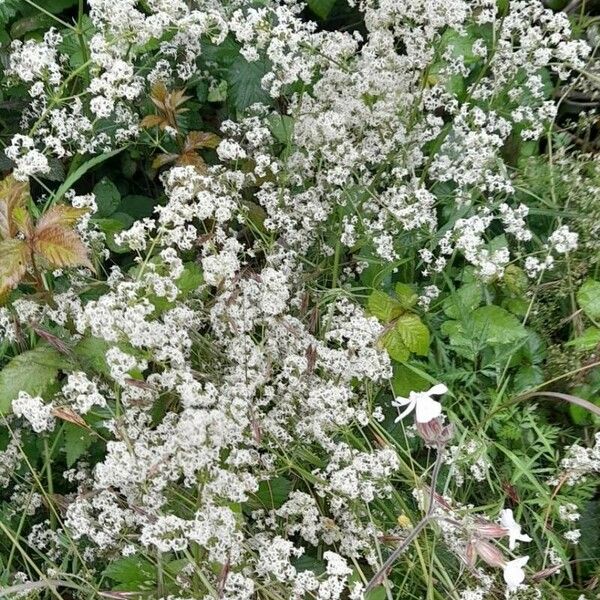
pixel 488 530
pixel 434 432
pixel 489 554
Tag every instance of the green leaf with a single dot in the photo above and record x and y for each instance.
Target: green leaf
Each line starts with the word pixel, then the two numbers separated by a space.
pixel 405 380
pixel 527 378
pixel 588 340
pixel 137 206
pixel 91 353
pixel 76 175
pixel 107 197
pixel 414 333
pixel 9 9
pixel 272 494
pixel 406 295
pixel 392 341
pixel 321 8
pixel 463 301
pixel 132 573
pixel 588 297
pixel 495 325
pixel 190 279
pixel 77 441
pixel 282 128
pixel 384 307
pixel 244 80
pixel 33 372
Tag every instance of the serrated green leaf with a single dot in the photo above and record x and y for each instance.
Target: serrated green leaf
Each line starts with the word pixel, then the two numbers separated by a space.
pixel 495 325
pixel 588 297
pixel 406 295
pixel 77 441
pixel 131 572
pixel 588 340
pixel 244 79
pixel 392 341
pixel 384 307
pixel 414 333
pixel 33 372
pixel 108 197
pixel 190 279
pixel 273 493
pixel 463 301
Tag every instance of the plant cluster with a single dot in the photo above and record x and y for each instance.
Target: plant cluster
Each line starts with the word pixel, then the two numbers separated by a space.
pixel 299 300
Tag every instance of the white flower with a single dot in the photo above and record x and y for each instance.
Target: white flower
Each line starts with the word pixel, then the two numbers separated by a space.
pixel 514 574
pixel 425 407
pixel 514 529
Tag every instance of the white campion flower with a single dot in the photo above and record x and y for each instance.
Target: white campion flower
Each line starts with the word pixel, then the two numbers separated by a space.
pixel 514 575
pixel 425 407
pixel 507 521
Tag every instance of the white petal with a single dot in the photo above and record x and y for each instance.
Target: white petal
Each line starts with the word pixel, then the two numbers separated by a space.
pixel 513 572
pixel 400 401
pixel 438 390
pixel 507 520
pixel 406 411
pixel 427 409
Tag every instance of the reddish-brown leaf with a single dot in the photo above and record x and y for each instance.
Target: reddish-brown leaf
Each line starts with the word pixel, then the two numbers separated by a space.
pixel 15 257
pixel 152 121
pixel 164 159
pixel 62 215
pixel 60 247
pixel 13 194
pixel 193 159
pixel 68 414
pixel 201 139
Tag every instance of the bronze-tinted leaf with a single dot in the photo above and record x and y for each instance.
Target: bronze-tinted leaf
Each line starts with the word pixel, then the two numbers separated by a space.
pixel 201 139
pixel 13 194
pixel 14 259
pixel 60 214
pixel 158 95
pixel 193 159
pixel 151 121
pixel 164 159
pixel 68 414
pixel 61 247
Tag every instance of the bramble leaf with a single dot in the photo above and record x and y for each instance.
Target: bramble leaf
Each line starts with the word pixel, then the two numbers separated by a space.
pixel 62 215
pixel 414 333
pixel 13 195
pixel 384 307
pixel 61 247
pixel 14 260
